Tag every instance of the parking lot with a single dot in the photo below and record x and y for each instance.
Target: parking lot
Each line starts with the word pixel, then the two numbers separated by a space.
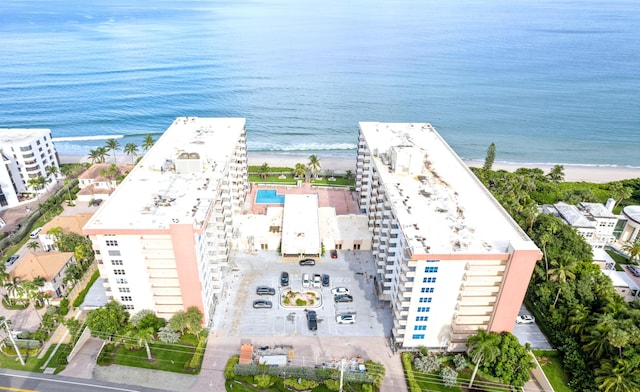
pixel 353 270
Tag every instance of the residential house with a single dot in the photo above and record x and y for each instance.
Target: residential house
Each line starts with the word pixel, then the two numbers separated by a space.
pixel 68 224
pixel 49 265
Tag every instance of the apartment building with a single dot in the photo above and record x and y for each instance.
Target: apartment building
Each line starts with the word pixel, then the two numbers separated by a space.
pixel 26 154
pixel 449 259
pixel 595 222
pixel 162 240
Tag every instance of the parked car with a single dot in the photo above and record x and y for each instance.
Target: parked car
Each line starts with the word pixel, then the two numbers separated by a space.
pixel 306 280
pixel 284 279
pixel 347 318
pixel 334 254
pixel 312 320
pixel 262 304
pixel 308 262
pixel 34 234
pixel 263 290
pixel 634 270
pixel 11 260
pixel 340 290
pixel 343 298
pixel 326 281
pixel 317 280
pixel 525 319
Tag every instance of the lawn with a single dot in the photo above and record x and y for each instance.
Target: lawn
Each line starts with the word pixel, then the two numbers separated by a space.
pixel 618 258
pixel 32 363
pixel 552 366
pixel 167 357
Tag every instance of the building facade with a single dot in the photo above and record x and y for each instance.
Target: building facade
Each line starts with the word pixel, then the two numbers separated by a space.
pixel 593 221
pixel 26 154
pixel 449 259
pixel 163 238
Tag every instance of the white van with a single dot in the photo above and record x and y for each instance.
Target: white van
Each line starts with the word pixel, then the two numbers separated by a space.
pixel 34 234
pixel 305 280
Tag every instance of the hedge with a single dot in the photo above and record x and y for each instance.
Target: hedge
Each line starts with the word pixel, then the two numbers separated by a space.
pixel 80 298
pixel 197 355
pixel 408 368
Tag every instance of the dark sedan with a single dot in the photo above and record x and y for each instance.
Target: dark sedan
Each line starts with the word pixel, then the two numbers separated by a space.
pixel 308 262
pixel 343 298
pixel 312 320
pixel 262 304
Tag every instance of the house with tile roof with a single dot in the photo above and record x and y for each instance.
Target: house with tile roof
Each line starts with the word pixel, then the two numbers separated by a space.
pixel 68 224
pixel 49 265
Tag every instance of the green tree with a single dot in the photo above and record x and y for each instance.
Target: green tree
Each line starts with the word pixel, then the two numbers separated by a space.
pixel 194 319
pixel 13 289
pixel 179 322
pixel 51 171
pixel 264 171
pixel 556 174
pixel 481 347
pixel 144 336
pixel 300 170
pixel 490 157
pixel 113 145
pixel 619 192
pixel 107 321
pixel 98 155
pixel 348 175
pixel 131 149
pixel 618 375
pixel 37 183
pixel 561 271
pixel 148 142
pixel 33 245
pixel 314 165
pixel 633 250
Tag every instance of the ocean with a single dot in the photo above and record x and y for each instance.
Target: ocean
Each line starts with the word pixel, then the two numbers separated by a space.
pixel 547 81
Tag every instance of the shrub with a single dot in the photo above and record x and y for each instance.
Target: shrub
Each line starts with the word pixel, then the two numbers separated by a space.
pixel 64 307
pixel 107 355
pixel 428 364
pixel 411 378
pixel 332 385
pixel 228 370
pixel 263 381
pixel 300 302
pixel 80 298
pixel 197 355
pixel 367 388
pixel 459 362
pixel 449 376
pixel 302 386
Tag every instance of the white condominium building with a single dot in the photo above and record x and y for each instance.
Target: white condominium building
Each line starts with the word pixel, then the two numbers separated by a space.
pixel 449 259
pixel 162 240
pixel 26 154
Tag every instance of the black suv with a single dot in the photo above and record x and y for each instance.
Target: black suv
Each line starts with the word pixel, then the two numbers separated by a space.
pixel 263 290
pixel 284 279
pixel 325 280
pixel 312 320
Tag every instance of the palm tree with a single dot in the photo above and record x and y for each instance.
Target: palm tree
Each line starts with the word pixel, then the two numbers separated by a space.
pixel 13 289
pixel 264 170
pixel 148 142
pixel 131 149
pixel 314 164
pixel 33 245
pixel 98 155
pixel 617 375
pixel 633 249
pixel 560 273
pixel 619 192
pixel 52 171
pixel 300 170
pixel 597 344
pixel 556 174
pixel 482 346
pixel 113 145
pixel 36 183
pixel 348 175
pixel 144 336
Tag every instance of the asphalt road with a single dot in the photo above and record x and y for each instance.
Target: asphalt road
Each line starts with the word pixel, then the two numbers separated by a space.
pixel 13 380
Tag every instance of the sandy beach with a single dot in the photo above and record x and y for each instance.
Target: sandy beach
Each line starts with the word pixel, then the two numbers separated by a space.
pixel 339 165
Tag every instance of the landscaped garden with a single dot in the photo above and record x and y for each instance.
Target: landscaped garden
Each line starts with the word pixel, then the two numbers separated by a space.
pixel 309 172
pixel 301 298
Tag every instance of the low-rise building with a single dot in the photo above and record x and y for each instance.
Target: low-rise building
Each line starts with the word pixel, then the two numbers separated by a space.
pixel 66 224
pixel 99 180
pixel 631 228
pixel 593 221
pixel 49 265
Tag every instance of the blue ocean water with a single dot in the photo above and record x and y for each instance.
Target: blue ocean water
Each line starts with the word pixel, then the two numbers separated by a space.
pixel 548 81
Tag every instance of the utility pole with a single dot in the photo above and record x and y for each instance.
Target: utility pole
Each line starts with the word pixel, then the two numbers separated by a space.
pixel 10 333
pixel 341 372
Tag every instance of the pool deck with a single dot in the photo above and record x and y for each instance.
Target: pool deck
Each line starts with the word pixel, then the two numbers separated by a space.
pixel 343 200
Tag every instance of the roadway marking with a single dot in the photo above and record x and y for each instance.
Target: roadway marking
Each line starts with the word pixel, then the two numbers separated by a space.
pixel 16 389
pixel 65 382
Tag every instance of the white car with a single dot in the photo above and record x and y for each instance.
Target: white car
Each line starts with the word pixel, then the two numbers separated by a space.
pixel 525 319
pixel 347 318
pixel 317 280
pixel 340 291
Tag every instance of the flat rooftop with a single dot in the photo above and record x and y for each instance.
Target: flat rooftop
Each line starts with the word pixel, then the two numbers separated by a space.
pixel 440 204
pixel 176 179
pixel 21 135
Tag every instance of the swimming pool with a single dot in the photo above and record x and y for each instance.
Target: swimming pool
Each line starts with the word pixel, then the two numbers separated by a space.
pixel 268 197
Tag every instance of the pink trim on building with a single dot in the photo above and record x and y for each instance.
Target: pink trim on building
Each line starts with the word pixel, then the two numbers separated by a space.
pixel 186 265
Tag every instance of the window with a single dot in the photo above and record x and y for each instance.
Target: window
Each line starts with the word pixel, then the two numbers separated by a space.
pixel 126 298
pixel 432 261
pixel 339 246
pixel 356 246
pixel 128 307
pixel 424 309
pixel 112 243
pixel 124 289
pixel 418 336
pixel 118 272
pixel 422 318
pixel 430 269
pixel 420 328
pixel 121 281
pixel 114 253
pixel 425 300
pixel 428 280
pixel 264 246
pixel 97 251
pixel 427 290
pixel 116 262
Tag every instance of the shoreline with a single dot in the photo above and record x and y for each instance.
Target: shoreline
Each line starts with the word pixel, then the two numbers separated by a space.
pixel 340 165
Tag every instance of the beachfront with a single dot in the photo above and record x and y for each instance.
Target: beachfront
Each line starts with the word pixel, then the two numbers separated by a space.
pixel 572 173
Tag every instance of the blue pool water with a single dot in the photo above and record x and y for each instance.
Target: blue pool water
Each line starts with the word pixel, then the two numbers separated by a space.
pixel 269 197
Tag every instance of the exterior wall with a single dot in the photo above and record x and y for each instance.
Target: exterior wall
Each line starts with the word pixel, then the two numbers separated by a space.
pixel 187 268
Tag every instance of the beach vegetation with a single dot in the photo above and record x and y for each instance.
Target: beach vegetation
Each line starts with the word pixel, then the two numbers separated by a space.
pixel 147 142
pixel 556 174
pixel 131 149
pixel 98 155
pixel 490 157
pixel 113 146
pixel 314 164
pixel 264 171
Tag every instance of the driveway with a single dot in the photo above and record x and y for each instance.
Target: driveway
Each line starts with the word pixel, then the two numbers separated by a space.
pixel 531 333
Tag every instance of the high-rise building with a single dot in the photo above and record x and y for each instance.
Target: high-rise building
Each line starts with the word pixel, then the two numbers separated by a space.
pixel 449 258
pixel 26 155
pixel 162 240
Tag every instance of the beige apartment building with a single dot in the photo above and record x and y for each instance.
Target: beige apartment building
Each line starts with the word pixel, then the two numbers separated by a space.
pixel 162 240
pixel 449 259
